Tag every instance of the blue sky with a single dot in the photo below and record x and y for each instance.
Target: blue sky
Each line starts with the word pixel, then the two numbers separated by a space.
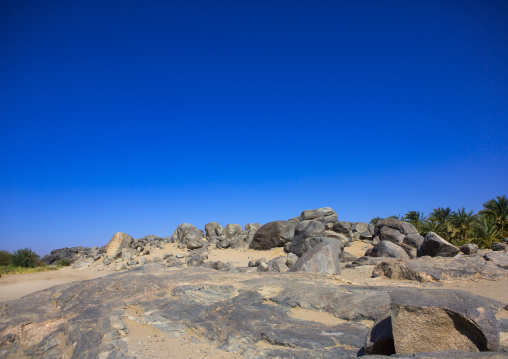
pixel 136 116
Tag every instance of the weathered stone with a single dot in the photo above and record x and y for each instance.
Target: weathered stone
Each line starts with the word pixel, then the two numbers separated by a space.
pixel 469 248
pixel 303 231
pixel 273 234
pixel 380 338
pixel 498 258
pixel 234 312
pixel 291 259
pixel 195 261
pixel 342 227
pixel 359 227
pixel 132 263
pixel 323 258
pixel 435 246
pixel 251 228
pixel 117 243
pixel 425 320
pixel 325 215
pixel 388 249
pixel 233 230
pixel 185 233
pixel 120 267
pixel 427 269
pixel 278 264
pixel 195 243
pixel 499 246
pixel 366 235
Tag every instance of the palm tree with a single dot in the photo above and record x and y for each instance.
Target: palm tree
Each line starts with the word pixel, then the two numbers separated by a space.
pixel 498 211
pixel 375 220
pixel 399 217
pixel 462 223
pixel 415 218
pixel 432 226
pixel 485 231
pixel 442 217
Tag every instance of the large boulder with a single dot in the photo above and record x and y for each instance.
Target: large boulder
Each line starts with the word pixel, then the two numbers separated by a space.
pixel 323 258
pixel 120 240
pixel 305 230
pixel 435 246
pixel 499 246
pixel 252 228
pixel 429 320
pixel 388 249
pixel 273 234
pixel 186 233
pixel 325 215
pixel 399 232
pixel 233 230
pixel 214 232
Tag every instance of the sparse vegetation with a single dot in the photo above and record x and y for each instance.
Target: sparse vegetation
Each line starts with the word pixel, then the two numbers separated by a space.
pixel 64 262
pixel 5 258
pixel 25 258
pixel 484 228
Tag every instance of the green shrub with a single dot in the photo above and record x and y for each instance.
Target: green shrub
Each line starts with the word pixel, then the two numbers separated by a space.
pixel 5 258
pixel 64 262
pixel 25 258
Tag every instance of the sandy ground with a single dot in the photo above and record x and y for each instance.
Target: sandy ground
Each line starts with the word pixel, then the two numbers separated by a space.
pixel 15 286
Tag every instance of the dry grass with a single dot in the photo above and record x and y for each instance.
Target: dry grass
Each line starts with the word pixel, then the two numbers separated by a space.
pixel 10 269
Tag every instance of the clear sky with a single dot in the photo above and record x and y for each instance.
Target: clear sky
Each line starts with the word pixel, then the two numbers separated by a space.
pixel 136 116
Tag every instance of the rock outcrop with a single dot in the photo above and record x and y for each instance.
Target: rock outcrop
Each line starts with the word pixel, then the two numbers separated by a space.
pixel 186 233
pixel 428 269
pixel 119 241
pixel 435 246
pixel 304 233
pixel 324 215
pixel 322 258
pixel 401 233
pixel 388 249
pixel 273 234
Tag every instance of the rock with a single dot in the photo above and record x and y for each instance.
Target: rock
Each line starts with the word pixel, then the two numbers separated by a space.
pixel 303 231
pixel 323 258
pixel 179 255
pixel 251 228
pixel 429 320
pixel 223 244
pixel 380 338
pixel 435 246
pixel 348 257
pixel 233 230
pixel 152 237
pixel 325 215
pixel 167 255
pixel 249 314
pixel 278 264
pixel 360 227
pixel 117 243
pixel 214 232
pixel 120 267
pixel 195 261
pixel 342 227
pixel 291 259
pixel 365 261
pixel 186 233
pixel 499 246
pixel 427 269
pixel 366 235
pixel 263 267
pixel 132 263
pixel 498 258
pixel 469 248
pixel 173 262
pixel 341 237
pixel 143 261
pixel 240 243
pixel 195 243
pixel 393 230
pixel 273 234
pixel 388 249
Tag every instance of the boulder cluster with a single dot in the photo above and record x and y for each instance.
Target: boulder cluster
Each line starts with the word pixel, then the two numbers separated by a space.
pixel 405 322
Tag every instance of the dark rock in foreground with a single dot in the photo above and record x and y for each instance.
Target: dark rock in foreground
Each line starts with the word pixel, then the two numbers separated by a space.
pixel 273 234
pixel 255 315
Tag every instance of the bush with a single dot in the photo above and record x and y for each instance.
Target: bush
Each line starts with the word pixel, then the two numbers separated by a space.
pixel 25 258
pixel 5 258
pixel 64 262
